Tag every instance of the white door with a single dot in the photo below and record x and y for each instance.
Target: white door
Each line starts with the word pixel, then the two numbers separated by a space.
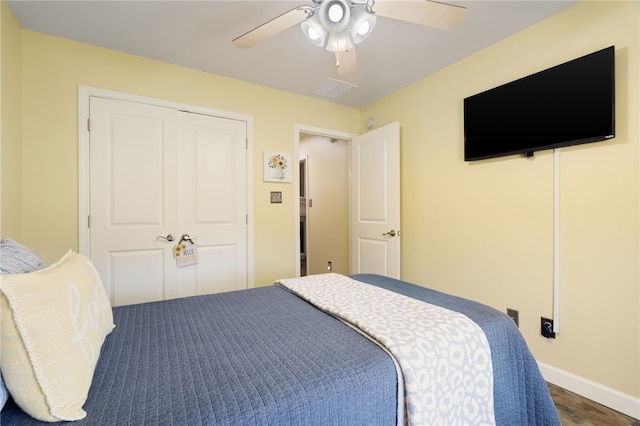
pixel 157 173
pixel 375 202
pixel 213 206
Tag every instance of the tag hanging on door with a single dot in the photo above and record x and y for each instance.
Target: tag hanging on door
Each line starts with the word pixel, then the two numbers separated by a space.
pixel 185 254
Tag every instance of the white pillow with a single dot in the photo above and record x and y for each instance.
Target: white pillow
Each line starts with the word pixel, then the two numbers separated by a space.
pixel 54 322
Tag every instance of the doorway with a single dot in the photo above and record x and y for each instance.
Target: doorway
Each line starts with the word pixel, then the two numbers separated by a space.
pixel 372 206
pixel 323 210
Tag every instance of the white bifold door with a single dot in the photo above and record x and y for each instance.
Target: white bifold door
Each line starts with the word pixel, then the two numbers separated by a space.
pixel 156 174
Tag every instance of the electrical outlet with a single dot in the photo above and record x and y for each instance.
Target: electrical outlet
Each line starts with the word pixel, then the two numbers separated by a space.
pixel 546 328
pixel 514 316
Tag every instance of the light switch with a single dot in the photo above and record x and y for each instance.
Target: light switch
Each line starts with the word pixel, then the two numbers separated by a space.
pixel 276 197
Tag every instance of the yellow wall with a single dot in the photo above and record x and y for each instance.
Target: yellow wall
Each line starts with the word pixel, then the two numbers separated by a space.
pixel 481 230
pixel 10 125
pixel 53 69
pixel 484 230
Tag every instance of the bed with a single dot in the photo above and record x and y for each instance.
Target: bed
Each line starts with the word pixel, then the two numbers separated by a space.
pixel 268 356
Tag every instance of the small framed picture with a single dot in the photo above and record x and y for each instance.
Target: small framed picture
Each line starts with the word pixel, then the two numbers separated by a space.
pixel 277 167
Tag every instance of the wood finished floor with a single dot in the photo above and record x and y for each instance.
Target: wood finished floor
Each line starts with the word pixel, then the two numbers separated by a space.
pixel 576 410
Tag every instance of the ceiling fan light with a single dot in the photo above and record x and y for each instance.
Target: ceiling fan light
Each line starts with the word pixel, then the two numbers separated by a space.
pixel 363 29
pixel 334 15
pixel 339 42
pixel 362 23
pixel 313 35
pixel 314 31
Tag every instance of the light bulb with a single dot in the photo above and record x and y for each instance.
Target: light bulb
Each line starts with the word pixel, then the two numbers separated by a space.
pixel 313 34
pixel 336 12
pixel 364 28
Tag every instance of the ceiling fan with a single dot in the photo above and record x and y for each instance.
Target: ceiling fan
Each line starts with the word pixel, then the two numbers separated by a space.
pixel 338 25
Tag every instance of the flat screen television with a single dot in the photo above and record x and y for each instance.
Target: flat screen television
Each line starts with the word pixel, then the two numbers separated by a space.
pixel 569 104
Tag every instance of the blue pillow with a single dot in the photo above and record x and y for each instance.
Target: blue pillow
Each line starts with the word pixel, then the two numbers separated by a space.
pixel 4 393
pixel 16 258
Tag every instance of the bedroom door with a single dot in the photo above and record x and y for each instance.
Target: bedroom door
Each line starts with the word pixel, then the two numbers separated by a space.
pixel 375 202
pixel 157 173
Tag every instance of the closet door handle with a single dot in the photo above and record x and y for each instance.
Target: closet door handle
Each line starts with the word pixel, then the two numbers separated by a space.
pixel 169 237
pixel 391 233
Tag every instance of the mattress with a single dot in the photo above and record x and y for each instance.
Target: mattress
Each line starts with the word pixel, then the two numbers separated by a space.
pixel 264 356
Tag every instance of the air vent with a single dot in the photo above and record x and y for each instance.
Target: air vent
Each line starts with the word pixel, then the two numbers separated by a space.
pixel 334 89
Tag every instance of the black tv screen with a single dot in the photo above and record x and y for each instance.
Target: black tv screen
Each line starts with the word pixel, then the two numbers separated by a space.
pixel 569 104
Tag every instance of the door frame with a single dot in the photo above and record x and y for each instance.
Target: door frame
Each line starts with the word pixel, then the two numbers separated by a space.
pixel 316 131
pixel 84 95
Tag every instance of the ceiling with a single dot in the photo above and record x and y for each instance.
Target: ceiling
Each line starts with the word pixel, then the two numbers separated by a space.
pixel 198 34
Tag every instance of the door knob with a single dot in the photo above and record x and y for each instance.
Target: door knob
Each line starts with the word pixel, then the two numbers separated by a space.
pixel 391 233
pixel 169 237
pixel 186 237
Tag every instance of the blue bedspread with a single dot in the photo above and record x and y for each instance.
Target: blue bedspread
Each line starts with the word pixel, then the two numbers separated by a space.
pixel 264 356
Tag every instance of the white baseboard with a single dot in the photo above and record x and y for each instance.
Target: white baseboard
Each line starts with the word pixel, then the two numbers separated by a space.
pixel 611 398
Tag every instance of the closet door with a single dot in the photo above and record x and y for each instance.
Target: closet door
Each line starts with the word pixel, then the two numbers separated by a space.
pixel 213 206
pixel 153 178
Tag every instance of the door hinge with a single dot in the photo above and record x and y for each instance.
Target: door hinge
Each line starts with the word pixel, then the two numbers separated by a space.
pixel 246 144
pixel 89 221
pixel 88 124
pixel 246 216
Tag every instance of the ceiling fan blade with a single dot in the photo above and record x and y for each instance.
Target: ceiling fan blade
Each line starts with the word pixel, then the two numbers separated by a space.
pixel 272 27
pixel 346 62
pixel 423 12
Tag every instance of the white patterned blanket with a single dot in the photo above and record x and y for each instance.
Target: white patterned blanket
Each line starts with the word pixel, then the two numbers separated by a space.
pixel 444 357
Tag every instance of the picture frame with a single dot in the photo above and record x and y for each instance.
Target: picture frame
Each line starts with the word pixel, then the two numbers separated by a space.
pixel 277 166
